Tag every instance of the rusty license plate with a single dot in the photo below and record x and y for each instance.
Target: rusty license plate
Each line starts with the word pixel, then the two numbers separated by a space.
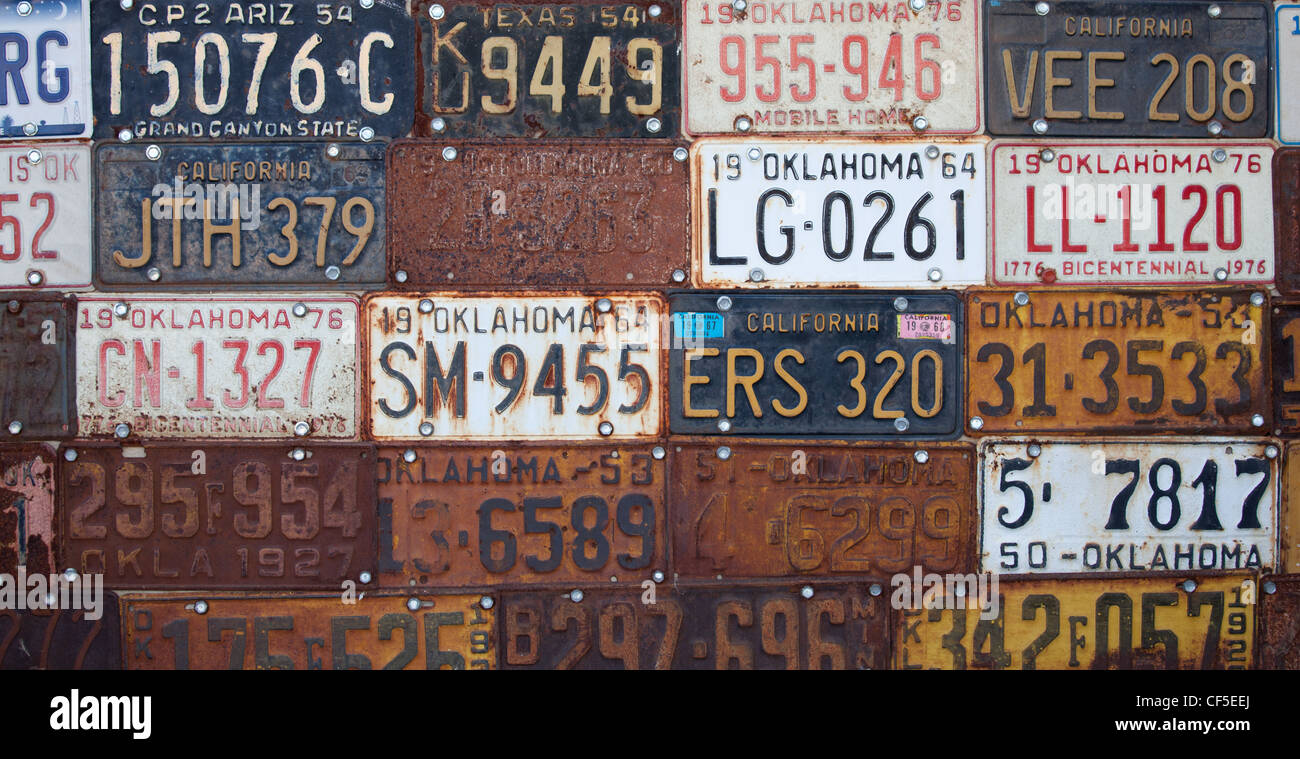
pixel 1286 218
pixel 65 638
pixel 1061 623
pixel 475 367
pixel 510 214
pixel 684 626
pixel 1289 521
pixel 536 69
pixel 37 373
pixel 220 516
pixel 349 630
pixel 45 216
pixel 1285 336
pixel 217 367
pixel 753 509
pixel 1279 622
pixel 1122 361
pixel 458 516
pixel 27 521
pixel 259 215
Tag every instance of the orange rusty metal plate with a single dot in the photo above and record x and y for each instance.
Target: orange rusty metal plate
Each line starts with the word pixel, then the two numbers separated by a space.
pixel 456 516
pixel 516 214
pixel 335 631
pixel 686 626
pixel 1279 623
pixel 1122 361
pixel 754 509
pixel 1062 623
pixel 1285 344
pixel 27 521
pixel 1289 519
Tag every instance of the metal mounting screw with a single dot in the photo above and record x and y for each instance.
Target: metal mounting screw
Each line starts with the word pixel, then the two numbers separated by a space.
pixel 126 4
pixel 724 452
pixel 1219 155
pixel 426 428
pixel 400 275
pixel 408 455
pixel 437 11
pixel 1047 154
pixel 900 303
pixel 935 274
pixel 653 125
pixel 921 456
pixel 680 154
pixel 413 604
pixel 153 152
pixel 15 427
pixel 30 129
pixel 806 591
pixel 24 8
pixel 125 135
pixel 655 11
pixel 977 422
pixel 1040 126
pixel 332 150
pixel 1034 450
pixel 35 278
pixel 300 309
pixel 1257 420
pixel 200 607
pixel 1189 585
pixel 1270 587
pixel 576 596
pixel 121 430
pixel 120 310
pixel 449 153
pixel 332 272
pixel 154 274
pixel 875 589
pixel 70 454
pixel 754 154
pixel 1021 298
pixel 920 123
pixel 298 454
pixel 739 5
pixel 15 306
pixel 365 578
pixel 743 124
pixel 658 575
pixel 486 602
pixel 679 275
pixel 724 425
pixel 1214 10
pixel 603 305
pixel 426 306
pixel 932 152
pixel 1257 299
pixel 301 429
pixel 606 429
pixel 1214 128
pixel 367 133
pixel 658 452
pixel 901 424
pixel 1042 9
pixel 724 303
pixel 34 156
pixel 70 574
pixel 438 124
pixel 755 275
pixel 1271 451
pixel 917 5
pixel 367 4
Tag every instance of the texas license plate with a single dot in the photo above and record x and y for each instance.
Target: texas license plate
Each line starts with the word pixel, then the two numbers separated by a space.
pixel 1126 362
pixel 811 66
pixel 536 69
pixel 37 375
pixel 803 213
pixel 465 367
pixel 756 509
pixel 62 638
pixel 203 368
pixel 263 215
pixel 846 364
pixel 27 523
pixel 292 70
pixel 45 90
pixel 1111 623
pixel 1286 70
pixel 1129 69
pixel 1124 506
pixel 554 213
pixel 45 215
pixel 1138 213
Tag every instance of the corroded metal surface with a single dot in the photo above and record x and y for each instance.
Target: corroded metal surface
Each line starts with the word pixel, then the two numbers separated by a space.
pixel 37 367
pixel 1285 356
pixel 1279 623
pixel 1286 215
pixel 27 510
pixel 62 638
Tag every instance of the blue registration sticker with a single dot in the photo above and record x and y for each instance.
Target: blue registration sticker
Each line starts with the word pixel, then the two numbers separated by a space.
pixel 694 325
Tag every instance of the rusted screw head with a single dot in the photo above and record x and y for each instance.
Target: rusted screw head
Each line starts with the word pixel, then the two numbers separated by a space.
pixel 724 452
pixel 121 430
pixel 15 427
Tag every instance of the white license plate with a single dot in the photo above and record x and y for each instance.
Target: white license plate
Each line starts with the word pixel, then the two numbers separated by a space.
pixel 1124 506
pixel 197 368
pixel 45 228
pixel 1286 73
pixel 445 366
pixel 811 66
pixel 45 68
pixel 826 213
pixel 1160 212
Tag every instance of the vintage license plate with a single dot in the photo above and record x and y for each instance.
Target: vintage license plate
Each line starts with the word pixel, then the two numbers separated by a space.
pixel 352 630
pixel 1124 506
pixel 1286 215
pixel 843 364
pixel 536 69
pixel 802 213
pixel 222 516
pixel 489 367
pixel 557 213
pixel 1086 362
pixel 774 510
pixel 45 91
pixel 204 368
pixel 1289 522
pixel 1279 622
pixel 45 215
pixel 1075 623
pixel 1285 357
pixel 263 215
pixel 62 638
pixel 1286 70
pixel 681 626
pixel 814 66
pixel 36 367
pixel 454 517
pixel 27 521
pixel 1133 213
pixel 1129 69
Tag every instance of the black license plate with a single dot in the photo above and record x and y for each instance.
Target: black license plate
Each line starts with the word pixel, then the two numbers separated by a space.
pixel 583 69
pixel 36 375
pixel 63 638
pixel 274 214
pixel 1118 69
pixel 288 70
pixel 868 365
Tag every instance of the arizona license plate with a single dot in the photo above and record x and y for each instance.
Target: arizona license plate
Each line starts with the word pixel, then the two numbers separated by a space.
pixel 813 66
pixel 45 215
pixel 1279 622
pixel 1286 69
pixel 1129 69
pixel 308 631
pixel 62 638
pixel 1123 506
pixel 290 70
pixel 491 367
pixel 1125 362
pixel 846 364
pixel 1110 623
pixel 203 368
pixel 833 213
pixel 45 90
pixel 1132 213
pixel 27 523
pixel 536 69
pixel 269 214
pixel 37 374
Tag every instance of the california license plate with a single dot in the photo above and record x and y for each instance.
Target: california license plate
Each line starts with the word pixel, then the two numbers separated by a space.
pixel 45 90
pixel 834 213
pixel 809 66
pixel 1286 70
pixel 37 370
pixel 202 368
pixel 45 227
pixel 27 521
pixel 490 367
pixel 1168 212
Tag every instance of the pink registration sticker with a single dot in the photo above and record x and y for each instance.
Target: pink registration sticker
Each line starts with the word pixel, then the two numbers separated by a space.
pixel 925 327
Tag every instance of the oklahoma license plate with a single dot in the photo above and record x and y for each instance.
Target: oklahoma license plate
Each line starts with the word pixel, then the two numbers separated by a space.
pixel 1125 362
pixel 535 69
pixel 61 638
pixel 1285 336
pixel 45 215
pixel 834 213
pixel 37 371
pixel 1132 213
pixel 815 66
pixel 27 523
pixel 290 70
pixel 1286 70
pixel 202 368
pixel 846 364
pixel 466 367
pixel 1123 506
pixel 45 90
pixel 1129 69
